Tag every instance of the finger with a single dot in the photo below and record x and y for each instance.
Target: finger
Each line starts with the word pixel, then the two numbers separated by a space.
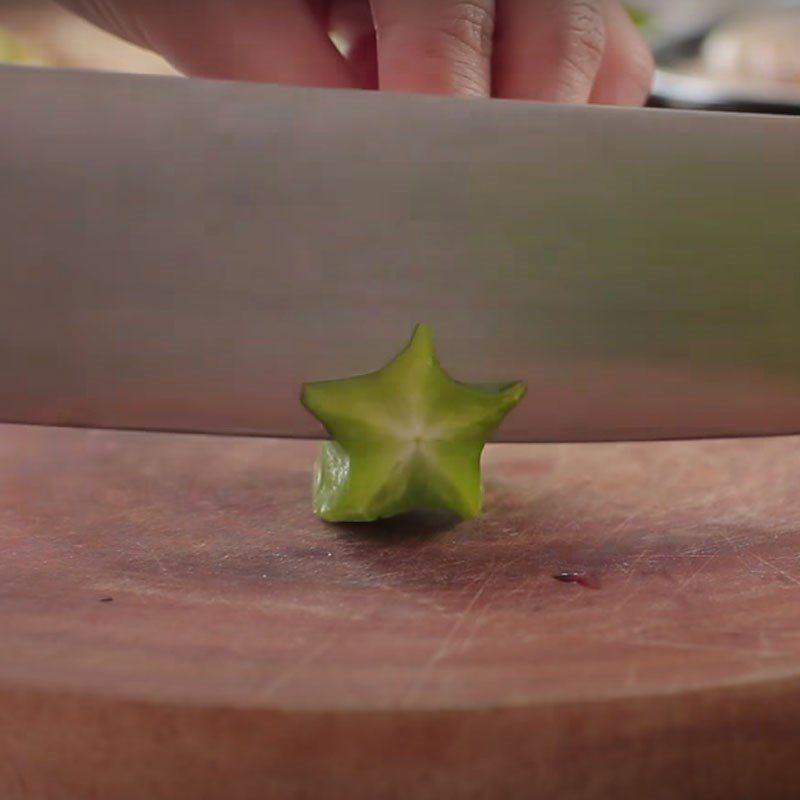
pixel 548 50
pixel 625 77
pixel 363 60
pixel 350 21
pixel 434 46
pixel 273 41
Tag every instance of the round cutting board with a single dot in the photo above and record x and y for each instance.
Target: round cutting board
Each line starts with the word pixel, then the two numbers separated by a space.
pixel 176 625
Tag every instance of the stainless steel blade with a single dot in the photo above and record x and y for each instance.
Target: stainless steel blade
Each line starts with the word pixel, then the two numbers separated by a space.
pixel 182 255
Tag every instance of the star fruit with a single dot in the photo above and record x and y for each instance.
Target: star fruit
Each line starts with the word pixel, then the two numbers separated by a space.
pixel 405 438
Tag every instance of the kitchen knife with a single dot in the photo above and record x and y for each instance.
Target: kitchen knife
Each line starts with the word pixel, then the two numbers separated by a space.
pixel 181 255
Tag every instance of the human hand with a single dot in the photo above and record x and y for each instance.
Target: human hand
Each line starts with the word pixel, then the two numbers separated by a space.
pixel 568 51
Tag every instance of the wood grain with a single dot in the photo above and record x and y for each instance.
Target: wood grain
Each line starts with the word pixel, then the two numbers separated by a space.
pixel 176 624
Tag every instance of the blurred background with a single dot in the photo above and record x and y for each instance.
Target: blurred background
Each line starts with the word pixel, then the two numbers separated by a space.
pixel 722 54
pixel 40 31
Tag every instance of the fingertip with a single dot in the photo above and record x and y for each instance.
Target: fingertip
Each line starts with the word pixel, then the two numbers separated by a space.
pixel 626 75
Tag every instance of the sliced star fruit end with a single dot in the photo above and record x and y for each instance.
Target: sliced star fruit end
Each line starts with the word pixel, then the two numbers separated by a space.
pixel 405 438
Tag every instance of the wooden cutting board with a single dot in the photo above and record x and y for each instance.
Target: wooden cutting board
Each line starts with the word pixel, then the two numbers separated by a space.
pixel 176 625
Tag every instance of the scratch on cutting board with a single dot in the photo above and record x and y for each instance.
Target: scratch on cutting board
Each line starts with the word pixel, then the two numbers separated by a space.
pixel 777 569
pixel 154 555
pixel 268 691
pixel 475 627
pixel 445 646
pixel 632 571
pixel 738 550
pixel 743 556
pixel 681 588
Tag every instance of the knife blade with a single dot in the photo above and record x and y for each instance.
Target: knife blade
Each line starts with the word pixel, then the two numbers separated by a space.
pixel 181 255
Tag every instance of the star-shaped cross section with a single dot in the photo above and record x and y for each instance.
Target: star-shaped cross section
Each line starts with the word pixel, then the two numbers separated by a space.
pixel 405 438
